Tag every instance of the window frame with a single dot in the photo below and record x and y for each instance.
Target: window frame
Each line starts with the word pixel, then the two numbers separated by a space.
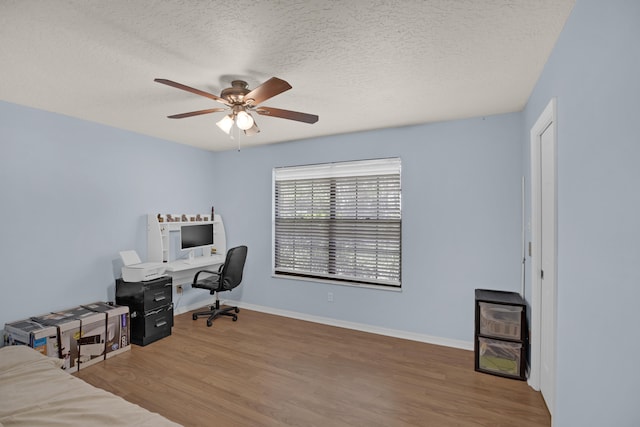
pixel 345 170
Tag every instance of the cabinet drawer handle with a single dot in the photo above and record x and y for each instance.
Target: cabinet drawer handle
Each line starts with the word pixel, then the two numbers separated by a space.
pixel 151 313
pixel 159 298
pixel 162 323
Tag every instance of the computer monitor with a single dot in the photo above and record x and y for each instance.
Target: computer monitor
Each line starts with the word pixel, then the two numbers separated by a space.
pixel 196 236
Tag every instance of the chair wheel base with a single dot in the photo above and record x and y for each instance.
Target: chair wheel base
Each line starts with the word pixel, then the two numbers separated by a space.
pixel 216 312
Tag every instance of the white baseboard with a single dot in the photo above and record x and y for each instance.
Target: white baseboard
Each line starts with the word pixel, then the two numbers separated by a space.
pixel 464 345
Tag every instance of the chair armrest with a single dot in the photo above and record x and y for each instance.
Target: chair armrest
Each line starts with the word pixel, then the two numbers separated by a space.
pixel 195 278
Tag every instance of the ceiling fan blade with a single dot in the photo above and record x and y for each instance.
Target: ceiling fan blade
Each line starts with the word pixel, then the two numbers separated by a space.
pixel 196 113
pixel 287 114
pixel 192 90
pixel 272 87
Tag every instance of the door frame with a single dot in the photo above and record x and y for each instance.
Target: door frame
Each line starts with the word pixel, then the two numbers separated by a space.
pixel 546 119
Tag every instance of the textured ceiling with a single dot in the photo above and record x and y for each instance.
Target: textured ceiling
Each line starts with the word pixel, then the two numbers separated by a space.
pixel 358 64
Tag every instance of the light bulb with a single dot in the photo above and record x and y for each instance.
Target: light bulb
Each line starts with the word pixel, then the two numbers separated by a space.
pixel 226 123
pixel 244 120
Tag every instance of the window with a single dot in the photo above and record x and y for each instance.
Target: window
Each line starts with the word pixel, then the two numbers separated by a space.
pixel 339 222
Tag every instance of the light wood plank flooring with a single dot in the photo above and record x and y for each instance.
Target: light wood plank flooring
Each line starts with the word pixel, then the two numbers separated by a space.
pixel 266 370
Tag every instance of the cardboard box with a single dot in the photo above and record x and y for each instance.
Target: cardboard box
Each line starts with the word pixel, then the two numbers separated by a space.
pixel 91 339
pixel 68 331
pixel 30 333
pixel 118 329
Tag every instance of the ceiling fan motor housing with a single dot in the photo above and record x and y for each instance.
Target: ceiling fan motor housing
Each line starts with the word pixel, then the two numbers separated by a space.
pixel 235 94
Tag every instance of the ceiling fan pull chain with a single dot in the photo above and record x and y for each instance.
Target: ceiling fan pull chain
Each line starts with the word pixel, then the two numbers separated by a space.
pixel 235 134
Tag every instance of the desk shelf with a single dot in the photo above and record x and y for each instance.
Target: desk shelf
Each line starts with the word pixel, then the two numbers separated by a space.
pixel 159 234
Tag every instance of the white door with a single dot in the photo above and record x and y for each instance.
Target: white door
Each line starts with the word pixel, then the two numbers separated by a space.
pixel 544 260
pixel 547 265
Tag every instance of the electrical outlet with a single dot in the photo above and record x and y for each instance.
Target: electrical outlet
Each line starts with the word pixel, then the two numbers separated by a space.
pixel 330 297
pixel 179 289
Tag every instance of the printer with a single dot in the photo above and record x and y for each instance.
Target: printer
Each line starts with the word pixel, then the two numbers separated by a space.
pixel 136 271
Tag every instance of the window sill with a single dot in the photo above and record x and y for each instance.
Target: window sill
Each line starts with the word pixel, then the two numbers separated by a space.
pixel 337 282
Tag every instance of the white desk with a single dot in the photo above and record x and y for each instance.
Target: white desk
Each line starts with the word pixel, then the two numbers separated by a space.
pixel 182 271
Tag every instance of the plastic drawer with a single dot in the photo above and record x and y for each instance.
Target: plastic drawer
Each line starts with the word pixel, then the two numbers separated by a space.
pixel 500 357
pixel 499 320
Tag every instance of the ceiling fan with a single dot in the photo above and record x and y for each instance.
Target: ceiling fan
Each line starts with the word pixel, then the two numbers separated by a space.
pixel 240 101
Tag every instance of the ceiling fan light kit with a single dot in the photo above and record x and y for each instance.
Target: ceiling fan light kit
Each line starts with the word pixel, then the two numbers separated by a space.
pixel 226 123
pixel 241 101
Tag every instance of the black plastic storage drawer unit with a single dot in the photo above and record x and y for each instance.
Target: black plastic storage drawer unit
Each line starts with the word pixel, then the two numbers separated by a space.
pixel 501 336
pixel 151 307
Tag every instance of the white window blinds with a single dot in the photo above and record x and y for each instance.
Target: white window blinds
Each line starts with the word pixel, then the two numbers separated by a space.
pixel 339 221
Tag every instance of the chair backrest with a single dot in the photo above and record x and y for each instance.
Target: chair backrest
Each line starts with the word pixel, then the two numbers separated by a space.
pixel 231 274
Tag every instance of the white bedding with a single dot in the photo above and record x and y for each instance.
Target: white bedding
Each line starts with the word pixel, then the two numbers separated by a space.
pixel 34 391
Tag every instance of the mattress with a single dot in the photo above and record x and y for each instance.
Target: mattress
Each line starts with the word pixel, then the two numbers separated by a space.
pixel 36 392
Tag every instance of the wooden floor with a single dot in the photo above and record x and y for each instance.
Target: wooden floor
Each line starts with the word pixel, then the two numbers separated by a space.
pixel 266 370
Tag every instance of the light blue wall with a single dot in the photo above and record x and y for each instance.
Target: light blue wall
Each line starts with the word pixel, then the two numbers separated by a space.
pixel 594 72
pixel 76 193
pixel 72 195
pixel 461 222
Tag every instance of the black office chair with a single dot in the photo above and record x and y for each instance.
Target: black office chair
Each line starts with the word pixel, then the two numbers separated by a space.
pixel 228 276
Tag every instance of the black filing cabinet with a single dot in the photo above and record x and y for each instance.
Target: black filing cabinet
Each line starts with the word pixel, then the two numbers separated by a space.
pixel 151 307
pixel 501 336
